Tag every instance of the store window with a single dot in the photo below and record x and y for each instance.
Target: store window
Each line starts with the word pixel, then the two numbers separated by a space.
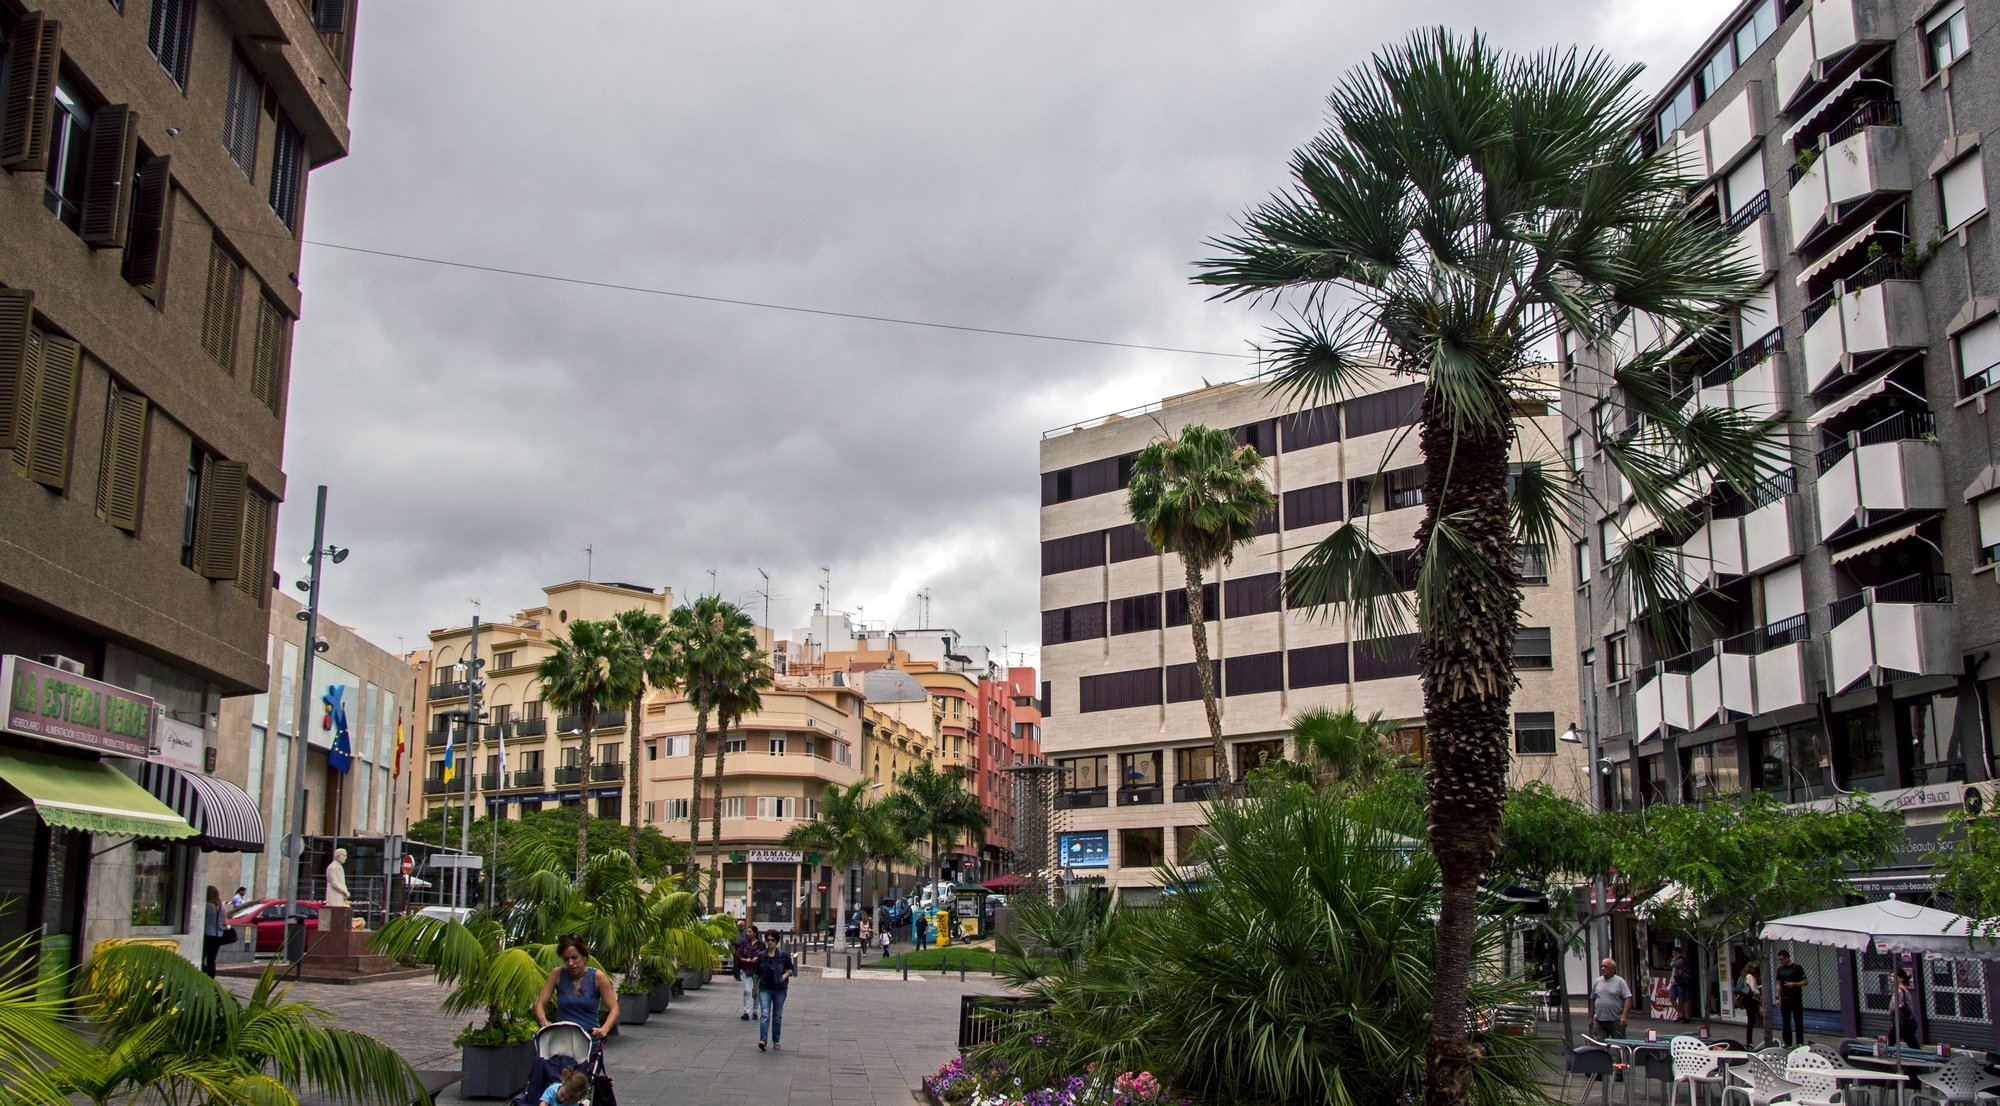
pixel 160 873
pixel 1142 848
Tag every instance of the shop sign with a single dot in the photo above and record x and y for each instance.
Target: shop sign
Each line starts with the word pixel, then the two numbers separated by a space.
pixel 772 856
pixel 180 744
pixel 47 703
pixel 1918 805
pixel 1086 850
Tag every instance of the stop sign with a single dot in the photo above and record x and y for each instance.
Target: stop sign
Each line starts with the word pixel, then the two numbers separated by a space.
pixel 409 864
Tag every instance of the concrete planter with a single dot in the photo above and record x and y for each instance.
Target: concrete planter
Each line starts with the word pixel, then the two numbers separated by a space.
pixel 633 1009
pixel 658 998
pixel 691 979
pixel 495 1071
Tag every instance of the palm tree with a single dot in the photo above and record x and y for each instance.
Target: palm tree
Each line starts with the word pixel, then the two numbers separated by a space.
pixel 657 661
pixel 473 959
pixel 1465 208
pixel 590 670
pixel 934 806
pixel 1199 495
pixel 34 1035
pixel 844 834
pixel 740 674
pixel 703 633
pixel 1342 750
pixel 888 844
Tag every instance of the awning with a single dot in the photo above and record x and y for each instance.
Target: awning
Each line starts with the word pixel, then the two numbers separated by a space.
pixel 1874 543
pixel 1826 102
pixel 1849 401
pixel 88 795
pixel 1852 243
pixel 224 816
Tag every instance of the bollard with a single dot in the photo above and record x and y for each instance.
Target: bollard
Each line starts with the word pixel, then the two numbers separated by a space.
pixel 961 970
pixel 829 957
pixel 904 964
pixel 849 960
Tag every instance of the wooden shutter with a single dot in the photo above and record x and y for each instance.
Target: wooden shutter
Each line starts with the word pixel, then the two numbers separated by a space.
pixel 149 223
pixel 219 311
pixel 218 538
pixel 26 100
pixel 17 327
pixel 121 472
pixel 22 423
pixel 254 576
pixel 107 175
pixel 54 412
pixel 329 16
pixel 267 358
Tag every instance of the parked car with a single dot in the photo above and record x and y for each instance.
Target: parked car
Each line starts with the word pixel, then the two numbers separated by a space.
pixel 446 913
pixel 896 910
pixel 262 922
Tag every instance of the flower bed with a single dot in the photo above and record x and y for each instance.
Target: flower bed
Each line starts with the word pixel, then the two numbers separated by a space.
pixel 963 1082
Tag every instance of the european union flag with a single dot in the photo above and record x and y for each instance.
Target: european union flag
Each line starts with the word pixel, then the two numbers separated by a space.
pixel 340 754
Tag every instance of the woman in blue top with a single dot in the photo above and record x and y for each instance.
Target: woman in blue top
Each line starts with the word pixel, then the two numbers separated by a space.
pixel 579 990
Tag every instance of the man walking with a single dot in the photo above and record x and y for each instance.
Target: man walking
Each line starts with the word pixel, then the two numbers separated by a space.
pixel 745 953
pixel 1610 1000
pixel 775 971
pixel 1791 979
pixel 1680 985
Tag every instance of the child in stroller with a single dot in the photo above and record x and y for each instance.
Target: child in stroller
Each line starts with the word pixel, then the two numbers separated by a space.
pixel 565 1058
pixel 573 1089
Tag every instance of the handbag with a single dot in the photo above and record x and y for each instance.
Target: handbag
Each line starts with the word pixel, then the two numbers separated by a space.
pixel 601 1090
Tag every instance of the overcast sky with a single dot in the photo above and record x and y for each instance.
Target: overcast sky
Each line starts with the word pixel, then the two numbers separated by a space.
pixel 1043 167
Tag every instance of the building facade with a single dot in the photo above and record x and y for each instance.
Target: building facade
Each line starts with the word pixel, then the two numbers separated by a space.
pixel 1848 631
pixel 156 154
pixel 1121 711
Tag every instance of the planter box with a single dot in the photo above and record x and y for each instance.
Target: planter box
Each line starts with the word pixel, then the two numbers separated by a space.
pixel 691 979
pixel 495 1071
pixel 632 1010
pixel 658 997
pixel 707 974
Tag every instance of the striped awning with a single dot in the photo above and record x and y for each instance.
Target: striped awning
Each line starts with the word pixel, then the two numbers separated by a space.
pixel 224 816
pixel 1874 543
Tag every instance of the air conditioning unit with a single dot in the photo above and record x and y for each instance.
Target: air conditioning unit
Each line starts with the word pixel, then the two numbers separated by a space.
pixel 67 664
pixel 1982 798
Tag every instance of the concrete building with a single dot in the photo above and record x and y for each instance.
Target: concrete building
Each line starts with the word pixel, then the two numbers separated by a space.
pixel 1850 636
pixel 156 155
pixel 258 739
pixel 1121 710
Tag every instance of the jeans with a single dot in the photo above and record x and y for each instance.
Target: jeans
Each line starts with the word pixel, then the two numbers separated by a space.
pixel 1793 1014
pixel 749 994
pixel 770 1015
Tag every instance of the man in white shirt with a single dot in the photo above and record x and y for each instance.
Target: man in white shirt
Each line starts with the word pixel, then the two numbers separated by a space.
pixel 1610 1000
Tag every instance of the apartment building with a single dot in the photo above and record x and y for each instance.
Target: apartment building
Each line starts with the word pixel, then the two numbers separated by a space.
pixel 1121 711
pixel 155 156
pixel 1848 623
pixel 543 749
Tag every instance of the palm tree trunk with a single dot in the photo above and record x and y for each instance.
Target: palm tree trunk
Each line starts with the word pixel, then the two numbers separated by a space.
pixel 715 815
pixel 1198 626
pixel 694 797
pixel 1468 681
pixel 632 774
pixel 587 718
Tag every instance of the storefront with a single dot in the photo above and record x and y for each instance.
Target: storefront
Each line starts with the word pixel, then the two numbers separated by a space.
pixel 777 889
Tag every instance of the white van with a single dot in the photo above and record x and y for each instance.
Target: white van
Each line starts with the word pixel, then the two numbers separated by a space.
pixel 934 898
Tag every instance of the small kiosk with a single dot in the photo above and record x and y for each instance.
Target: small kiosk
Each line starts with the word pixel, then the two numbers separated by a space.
pixel 968 909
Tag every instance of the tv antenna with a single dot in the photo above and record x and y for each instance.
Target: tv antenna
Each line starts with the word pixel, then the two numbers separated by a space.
pixel 589 561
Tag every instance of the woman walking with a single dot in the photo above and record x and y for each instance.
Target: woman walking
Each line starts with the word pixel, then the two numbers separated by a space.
pixel 1903 1011
pixel 1751 998
pixel 582 994
pixel 215 931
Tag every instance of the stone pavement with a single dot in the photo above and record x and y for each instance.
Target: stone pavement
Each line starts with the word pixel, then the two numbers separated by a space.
pixel 868 1041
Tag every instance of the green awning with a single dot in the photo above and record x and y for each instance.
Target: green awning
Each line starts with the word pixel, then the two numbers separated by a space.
pixel 89 795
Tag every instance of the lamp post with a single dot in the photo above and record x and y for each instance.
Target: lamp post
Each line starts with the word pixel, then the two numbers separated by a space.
pixel 295 936
pixel 1594 937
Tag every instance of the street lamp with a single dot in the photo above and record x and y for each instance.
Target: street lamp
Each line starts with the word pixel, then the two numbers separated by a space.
pixel 295 934
pixel 1594 771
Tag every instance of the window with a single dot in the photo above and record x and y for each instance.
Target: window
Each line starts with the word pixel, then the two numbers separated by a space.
pixel 777 746
pixel 288 172
pixel 1312 506
pixel 1533 648
pixel 1090 478
pixel 1305 429
pixel 1955 989
pixel 1386 658
pixel 1384 410
pixel 1261 436
pixel 1252 755
pixel 735 744
pixel 1945 37
pixel 1137 770
pixel 1177 607
pixel 1142 848
pixel 532 711
pixel 1582 563
pixel 1720 65
pixel 782 808
pixel 160 880
pixel 1711 771
pixel 1073 552
pixel 1318 665
pixel 1989 528
pixel 503 659
pixel 1184 681
pixel 1128 543
pixel 170 36
pixel 1610 540
pixel 732 806
pixel 269 354
pixel 1532 563
pixel 1135 614
pixel 33 50
pixel 38 430
pixel 1758 316
pixel 1081 773
pixel 1962 190
pixel 91 152
pixel 240 113
pixel 1251 595
pixel 1745 183
pixel 1674 114
pixel 1979 355
pixel 222 305
pixel 1194 765
pixel 1139 687
pixel 1535 733
pixel 1756 27
pixel 1254 674
pixel 1387 491
pixel 1079 623
pixel 1617 652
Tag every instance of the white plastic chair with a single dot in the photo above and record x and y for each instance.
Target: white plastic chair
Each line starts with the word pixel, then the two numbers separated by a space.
pixel 1758 1084
pixel 1813 1072
pixel 1957 1083
pixel 1695 1066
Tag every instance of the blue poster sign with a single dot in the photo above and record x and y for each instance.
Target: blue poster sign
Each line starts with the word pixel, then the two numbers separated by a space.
pixel 1085 850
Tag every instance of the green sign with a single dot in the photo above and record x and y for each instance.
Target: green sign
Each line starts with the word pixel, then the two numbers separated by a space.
pixel 52 965
pixel 46 702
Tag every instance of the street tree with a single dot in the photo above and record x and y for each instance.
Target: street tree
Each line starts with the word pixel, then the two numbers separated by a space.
pixel 1555 845
pixel 706 633
pixel 589 671
pixel 844 835
pixel 1199 494
pixel 1464 208
pixel 657 663
pixel 740 673
pixel 934 806
pixel 1968 869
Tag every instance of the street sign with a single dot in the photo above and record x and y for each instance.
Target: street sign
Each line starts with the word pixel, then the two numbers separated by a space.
pixel 467 860
pixel 822 887
pixel 409 864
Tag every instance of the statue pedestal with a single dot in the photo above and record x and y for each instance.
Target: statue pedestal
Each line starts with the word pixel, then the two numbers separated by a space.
pixel 339 950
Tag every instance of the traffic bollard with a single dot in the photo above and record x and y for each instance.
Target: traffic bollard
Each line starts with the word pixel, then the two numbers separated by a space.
pixel 903 963
pixel 849 960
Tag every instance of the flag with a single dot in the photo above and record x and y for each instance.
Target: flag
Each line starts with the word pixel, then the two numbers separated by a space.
pixel 340 754
pixel 449 768
pixel 501 730
pixel 398 773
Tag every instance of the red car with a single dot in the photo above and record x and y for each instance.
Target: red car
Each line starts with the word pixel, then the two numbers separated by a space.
pixel 263 921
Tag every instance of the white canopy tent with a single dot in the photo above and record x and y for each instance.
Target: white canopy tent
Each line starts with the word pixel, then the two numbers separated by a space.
pixel 1895 925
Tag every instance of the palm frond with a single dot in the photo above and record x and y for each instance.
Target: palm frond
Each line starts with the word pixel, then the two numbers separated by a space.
pixel 35 1042
pixel 1346 573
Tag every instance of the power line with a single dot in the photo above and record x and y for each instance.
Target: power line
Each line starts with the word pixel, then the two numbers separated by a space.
pixel 769 306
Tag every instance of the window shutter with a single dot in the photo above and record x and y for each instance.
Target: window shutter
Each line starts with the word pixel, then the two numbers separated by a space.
pixel 17 320
pixel 54 413
pixel 254 576
pixel 114 147
pixel 121 473
pixel 220 309
pixel 149 223
pixel 22 424
pixel 27 98
pixel 1979 351
pixel 1962 188
pixel 267 359
pixel 218 540
pixel 1784 594
pixel 329 16
pixel 1989 521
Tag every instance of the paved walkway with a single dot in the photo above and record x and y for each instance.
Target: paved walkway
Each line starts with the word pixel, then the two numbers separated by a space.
pixel 868 1041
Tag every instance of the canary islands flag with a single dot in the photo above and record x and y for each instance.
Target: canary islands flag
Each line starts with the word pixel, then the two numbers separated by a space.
pixel 450 769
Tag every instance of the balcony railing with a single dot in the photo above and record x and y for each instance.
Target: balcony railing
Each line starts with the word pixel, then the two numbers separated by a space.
pixel 1785 631
pixel 489 781
pixel 1870 113
pixel 569 773
pixel 1197 791
pixel 433 785
pixel 436 739
pixel 530 727
pixel 1920 587
pixel 448 689
pixel 1077 798
pixel 606 720
pixel 530 777
pixel 1749 357
pixel 1140 795
pixel 608 770
pixel 1903 426
pixel 1749 212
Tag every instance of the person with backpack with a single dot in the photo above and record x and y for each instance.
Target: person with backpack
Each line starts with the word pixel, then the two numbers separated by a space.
pixel 1751 998
pixel 775 971
pixel 1680 985
pixel 745 952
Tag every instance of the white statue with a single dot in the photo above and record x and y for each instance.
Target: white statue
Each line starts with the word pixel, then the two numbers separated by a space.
pixel 336 879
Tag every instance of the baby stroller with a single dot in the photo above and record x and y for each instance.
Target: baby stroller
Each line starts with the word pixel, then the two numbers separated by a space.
pixel 560 1046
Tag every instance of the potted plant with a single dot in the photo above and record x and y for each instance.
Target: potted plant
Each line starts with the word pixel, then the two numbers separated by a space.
pixel 484 975
pixel 634 1001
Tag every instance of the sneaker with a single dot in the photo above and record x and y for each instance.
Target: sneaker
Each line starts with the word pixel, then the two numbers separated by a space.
pixel 746 1017
pixel 760 1046
pixel 775 1046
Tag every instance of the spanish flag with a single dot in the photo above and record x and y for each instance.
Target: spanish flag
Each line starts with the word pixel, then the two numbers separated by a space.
pixel 398 773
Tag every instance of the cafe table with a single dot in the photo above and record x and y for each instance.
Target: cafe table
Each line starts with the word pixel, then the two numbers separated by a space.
pixel 1633 1046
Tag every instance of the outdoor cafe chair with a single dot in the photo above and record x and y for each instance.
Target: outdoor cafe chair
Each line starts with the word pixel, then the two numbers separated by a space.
pixel 1758 1084
pixel 1695 1066
pixel 1592 1061
pixel 1813 1072
pixel 1957 1083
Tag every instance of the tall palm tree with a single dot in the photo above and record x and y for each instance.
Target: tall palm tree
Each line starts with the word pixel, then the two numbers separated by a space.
pixel 589 671
pixel 741 674
pixel 1463 208
pixel 704 632
pixel 888 843
pixel 843 834
pixel 657 663
pixel 934 806
pixel 1199 495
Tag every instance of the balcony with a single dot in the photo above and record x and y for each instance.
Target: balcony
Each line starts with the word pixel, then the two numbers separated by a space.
pixel 436 739
pixel 569 773
pixel 1721 687
pixel 434 785
pixel 1713 553
pixel 490 781
pixel 1879 472
pixel 1142 795
pixel 1778 656
pixel 606 720
pixel 608 770
pixel 449 689
pixel 530 777
pixel 1864 158
pixel 1877 311
pixel 1821 42
pixel 1079 798
pixel 1774 532
pixel 1752 380
pixel 1753 236
pixel 1662 699
pixel 531 727
pixel 1892 632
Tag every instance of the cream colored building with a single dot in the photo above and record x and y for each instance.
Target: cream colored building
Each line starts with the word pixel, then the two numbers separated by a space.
pixel 1123 713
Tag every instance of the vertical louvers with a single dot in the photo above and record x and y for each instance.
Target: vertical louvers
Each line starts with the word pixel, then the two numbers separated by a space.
pixel 288 172
pixel 121 470
pixel 253 576
pixel 219 311
pixel 114 146
pixel 218 539
pixel 17 346
pixel 46 411
pixel 329 16
pixel 147 242
pixel 32 55
pixel 240 114
pixel 267 357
